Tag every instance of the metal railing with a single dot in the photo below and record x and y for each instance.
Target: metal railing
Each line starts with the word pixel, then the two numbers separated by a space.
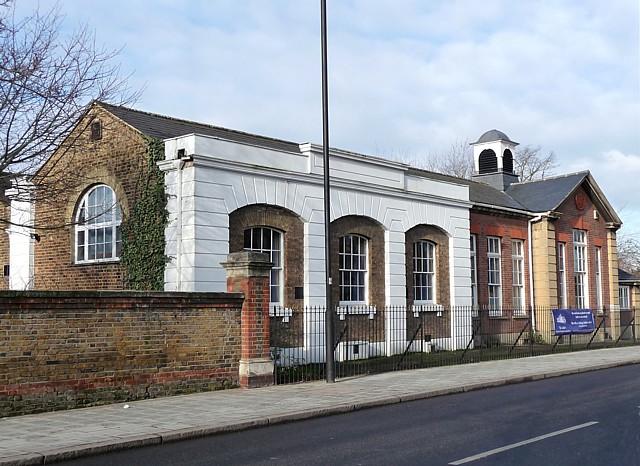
pixel 370 340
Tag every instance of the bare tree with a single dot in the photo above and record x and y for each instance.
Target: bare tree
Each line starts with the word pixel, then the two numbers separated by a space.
pixel 628 253
pixel 457 160
pixel 47 82
pixel 530 163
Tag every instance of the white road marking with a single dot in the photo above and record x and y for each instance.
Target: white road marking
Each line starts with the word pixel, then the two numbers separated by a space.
pixel 524 442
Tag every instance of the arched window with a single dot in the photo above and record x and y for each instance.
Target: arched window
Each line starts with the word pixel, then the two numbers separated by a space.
pixel 98 220
pixel 268 240
pixel 507 161
pixel 353 266
pixel 424 272
pixel 487 162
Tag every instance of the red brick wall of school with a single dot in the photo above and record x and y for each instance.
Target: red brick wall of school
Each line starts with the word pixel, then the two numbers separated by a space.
pixel 506 228
pixel 572 218
pixel 63 350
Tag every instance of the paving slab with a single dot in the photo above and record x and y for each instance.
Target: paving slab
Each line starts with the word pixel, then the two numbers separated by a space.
pixel 49 437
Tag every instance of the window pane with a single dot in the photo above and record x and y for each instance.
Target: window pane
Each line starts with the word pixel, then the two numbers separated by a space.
pixel 266 239
pixel 256 243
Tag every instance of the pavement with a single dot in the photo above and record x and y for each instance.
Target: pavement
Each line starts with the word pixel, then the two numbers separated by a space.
pixel 62 435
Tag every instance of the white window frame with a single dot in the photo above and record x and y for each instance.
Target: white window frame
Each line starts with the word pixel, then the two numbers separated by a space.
pixel 517 267
pixel 97 236
pixel 562 275
pixel 255 239
pixel 624 297
pixel 599 302
pixel 473 244
pixel 494 269
pixel 580 269
pixel 353 270
pixel 424 272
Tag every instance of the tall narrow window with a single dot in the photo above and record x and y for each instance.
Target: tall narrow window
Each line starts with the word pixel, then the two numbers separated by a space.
pixel 424 272
pixel 268 240
pixel 599 280
pixel 353 267
pixel 580 268
pixel 517 265
pixel 98 220
pixel 474 271
pixel 562 278
pixel 495 275
pixel 625 302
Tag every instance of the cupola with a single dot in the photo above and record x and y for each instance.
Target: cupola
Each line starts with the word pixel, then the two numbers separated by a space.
pixel 493 159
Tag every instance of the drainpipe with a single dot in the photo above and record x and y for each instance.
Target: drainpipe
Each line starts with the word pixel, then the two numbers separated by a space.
pixel 179 230
pixel 537 218
pixel 183 159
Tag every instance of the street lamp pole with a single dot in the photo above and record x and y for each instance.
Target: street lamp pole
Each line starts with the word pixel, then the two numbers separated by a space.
pixel 330 376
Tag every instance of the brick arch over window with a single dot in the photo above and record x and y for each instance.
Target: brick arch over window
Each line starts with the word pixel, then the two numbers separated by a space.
pixel 440 239
pixel 374 233
pixel 292 229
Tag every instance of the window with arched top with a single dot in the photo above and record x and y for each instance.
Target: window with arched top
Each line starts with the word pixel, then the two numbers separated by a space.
pixel 488 161
pixel 97 231
pixel 507 161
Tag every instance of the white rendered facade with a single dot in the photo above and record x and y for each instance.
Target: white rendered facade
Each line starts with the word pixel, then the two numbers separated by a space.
pixel 207 178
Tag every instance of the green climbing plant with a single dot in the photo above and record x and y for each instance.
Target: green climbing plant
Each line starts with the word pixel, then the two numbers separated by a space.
pixel 142 257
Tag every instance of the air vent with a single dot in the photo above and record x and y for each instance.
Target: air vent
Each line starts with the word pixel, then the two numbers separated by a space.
pixel 487 162
pixel 507 161
pixel 96 130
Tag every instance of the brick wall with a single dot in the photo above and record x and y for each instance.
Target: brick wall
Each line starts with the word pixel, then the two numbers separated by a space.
pixel 580 215
pixel 63 350
pixel 115 160
pixel 506 228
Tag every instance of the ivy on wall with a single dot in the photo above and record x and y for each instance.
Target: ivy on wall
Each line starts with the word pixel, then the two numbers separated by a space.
pixel 142 257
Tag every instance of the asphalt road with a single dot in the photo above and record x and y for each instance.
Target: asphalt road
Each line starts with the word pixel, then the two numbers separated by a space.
pixel 583 419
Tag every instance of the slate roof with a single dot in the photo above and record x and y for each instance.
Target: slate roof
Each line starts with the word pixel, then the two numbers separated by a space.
pixel 479 193
pixel 626 277
pixel 535 196
pixel 164 127
pixel 548 194
pixel 493 135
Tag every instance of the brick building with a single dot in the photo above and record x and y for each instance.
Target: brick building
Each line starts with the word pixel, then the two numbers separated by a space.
pixel 403 240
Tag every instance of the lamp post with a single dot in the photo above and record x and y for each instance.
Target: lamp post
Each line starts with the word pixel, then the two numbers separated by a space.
pixel 329 334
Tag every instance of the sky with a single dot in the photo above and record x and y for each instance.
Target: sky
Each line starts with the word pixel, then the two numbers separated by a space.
pixel 407 78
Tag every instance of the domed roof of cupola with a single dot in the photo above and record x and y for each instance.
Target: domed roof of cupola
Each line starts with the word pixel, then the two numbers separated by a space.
pixel 493 135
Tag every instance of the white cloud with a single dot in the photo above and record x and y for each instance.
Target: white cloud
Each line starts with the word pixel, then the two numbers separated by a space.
pixel 617 174
pixel 406 76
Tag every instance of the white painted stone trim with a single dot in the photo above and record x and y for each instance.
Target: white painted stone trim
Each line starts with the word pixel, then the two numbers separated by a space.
pixel 355 309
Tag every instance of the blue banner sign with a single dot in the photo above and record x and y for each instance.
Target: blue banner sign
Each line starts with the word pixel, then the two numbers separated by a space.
pixel 568 321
